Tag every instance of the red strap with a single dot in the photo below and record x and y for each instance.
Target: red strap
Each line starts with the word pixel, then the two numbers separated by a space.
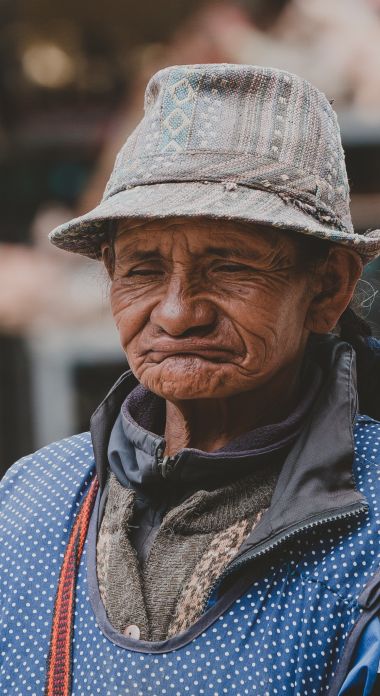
pixel 59 667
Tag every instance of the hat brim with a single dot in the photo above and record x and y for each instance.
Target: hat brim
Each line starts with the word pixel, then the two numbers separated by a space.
pixel 85 234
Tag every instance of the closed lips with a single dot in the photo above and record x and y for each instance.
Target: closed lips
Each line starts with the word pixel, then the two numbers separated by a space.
pixel 181 350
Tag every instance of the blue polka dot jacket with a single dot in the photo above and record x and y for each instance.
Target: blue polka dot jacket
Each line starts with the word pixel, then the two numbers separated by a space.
pixel 289 614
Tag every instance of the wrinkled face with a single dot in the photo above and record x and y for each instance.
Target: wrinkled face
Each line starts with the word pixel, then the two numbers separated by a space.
pixel 208 308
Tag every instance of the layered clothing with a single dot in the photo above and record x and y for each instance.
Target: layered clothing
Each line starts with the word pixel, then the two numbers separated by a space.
pixel 293 604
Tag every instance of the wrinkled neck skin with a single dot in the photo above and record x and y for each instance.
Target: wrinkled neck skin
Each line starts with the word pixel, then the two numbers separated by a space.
pixel 209 424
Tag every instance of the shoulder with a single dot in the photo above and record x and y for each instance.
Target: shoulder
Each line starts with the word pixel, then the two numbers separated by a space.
pixel 368 376
pixel 373 344
pixel 367 437
pixel 47 482
pixel 67 458
pixel 39 499
pixel 366 465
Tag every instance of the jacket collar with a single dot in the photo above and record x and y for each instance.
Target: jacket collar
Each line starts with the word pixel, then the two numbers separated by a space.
pixel 317 472
pixel 134 451
pixel 316 481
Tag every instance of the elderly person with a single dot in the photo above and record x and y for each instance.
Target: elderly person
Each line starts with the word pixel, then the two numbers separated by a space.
pixel 218 532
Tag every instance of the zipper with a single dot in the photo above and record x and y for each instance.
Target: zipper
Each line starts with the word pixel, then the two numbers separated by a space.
pixel 355 510
pixel 166 464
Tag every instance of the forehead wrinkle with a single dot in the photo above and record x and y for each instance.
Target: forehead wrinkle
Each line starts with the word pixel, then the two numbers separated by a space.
pixel 223 240
pixel 218 226
pixel 154 225
pixel 229 251
pixel 155 249
pixel 153 242
pixel 136 255
pixel 247 243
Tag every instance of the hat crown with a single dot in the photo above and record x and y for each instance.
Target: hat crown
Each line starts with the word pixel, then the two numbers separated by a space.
pixel 255 126
pixel 266 143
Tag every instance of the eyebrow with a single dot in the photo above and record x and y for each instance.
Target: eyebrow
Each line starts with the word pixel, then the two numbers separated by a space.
pixel 135 255
pixel 227 252
pixel 223 252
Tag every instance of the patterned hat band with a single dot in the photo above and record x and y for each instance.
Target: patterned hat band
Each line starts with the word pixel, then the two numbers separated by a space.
pixel 230 142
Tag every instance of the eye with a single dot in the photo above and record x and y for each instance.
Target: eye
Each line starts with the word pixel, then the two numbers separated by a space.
pixel 141 271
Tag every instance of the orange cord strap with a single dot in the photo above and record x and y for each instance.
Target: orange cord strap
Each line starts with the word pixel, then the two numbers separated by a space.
pixel 59 664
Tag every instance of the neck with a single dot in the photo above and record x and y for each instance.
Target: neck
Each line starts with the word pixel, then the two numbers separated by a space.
pixel 209 424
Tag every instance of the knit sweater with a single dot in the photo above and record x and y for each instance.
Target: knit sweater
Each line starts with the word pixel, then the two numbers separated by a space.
pixel 195 541
pixel 200 531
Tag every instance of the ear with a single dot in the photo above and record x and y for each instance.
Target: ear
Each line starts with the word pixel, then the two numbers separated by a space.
pixel 335 283
pixel 108 258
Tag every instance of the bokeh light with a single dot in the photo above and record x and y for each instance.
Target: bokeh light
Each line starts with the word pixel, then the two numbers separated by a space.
pixel 48 65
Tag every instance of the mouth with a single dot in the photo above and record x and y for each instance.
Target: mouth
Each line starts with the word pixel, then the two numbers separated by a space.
pixel 206 353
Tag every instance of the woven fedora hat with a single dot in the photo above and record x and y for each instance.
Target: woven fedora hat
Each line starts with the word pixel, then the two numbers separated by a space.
pixel 237 142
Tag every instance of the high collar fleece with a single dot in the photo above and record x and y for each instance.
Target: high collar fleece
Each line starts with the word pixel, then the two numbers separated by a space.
pixel 136 442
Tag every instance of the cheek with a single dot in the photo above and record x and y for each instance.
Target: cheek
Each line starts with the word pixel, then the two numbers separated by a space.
pixel 130 314
pixel 271 320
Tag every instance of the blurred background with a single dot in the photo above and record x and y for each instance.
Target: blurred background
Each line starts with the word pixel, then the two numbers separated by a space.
pixel 72 79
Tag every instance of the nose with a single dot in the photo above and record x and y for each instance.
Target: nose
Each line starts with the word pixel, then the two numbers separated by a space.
pixel 183 312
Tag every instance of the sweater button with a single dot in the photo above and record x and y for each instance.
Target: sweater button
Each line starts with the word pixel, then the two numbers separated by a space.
pixel 132 631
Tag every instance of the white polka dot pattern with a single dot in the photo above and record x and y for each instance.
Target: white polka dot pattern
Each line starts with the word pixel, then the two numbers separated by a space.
pixel 283 636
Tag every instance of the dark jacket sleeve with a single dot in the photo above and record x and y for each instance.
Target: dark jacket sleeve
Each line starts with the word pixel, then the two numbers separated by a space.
pixel 363 678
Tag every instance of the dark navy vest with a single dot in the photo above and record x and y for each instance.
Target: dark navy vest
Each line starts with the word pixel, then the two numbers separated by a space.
pixel 291 631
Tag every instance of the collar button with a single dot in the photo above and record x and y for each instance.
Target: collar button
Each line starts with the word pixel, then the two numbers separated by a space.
pixel 132 631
